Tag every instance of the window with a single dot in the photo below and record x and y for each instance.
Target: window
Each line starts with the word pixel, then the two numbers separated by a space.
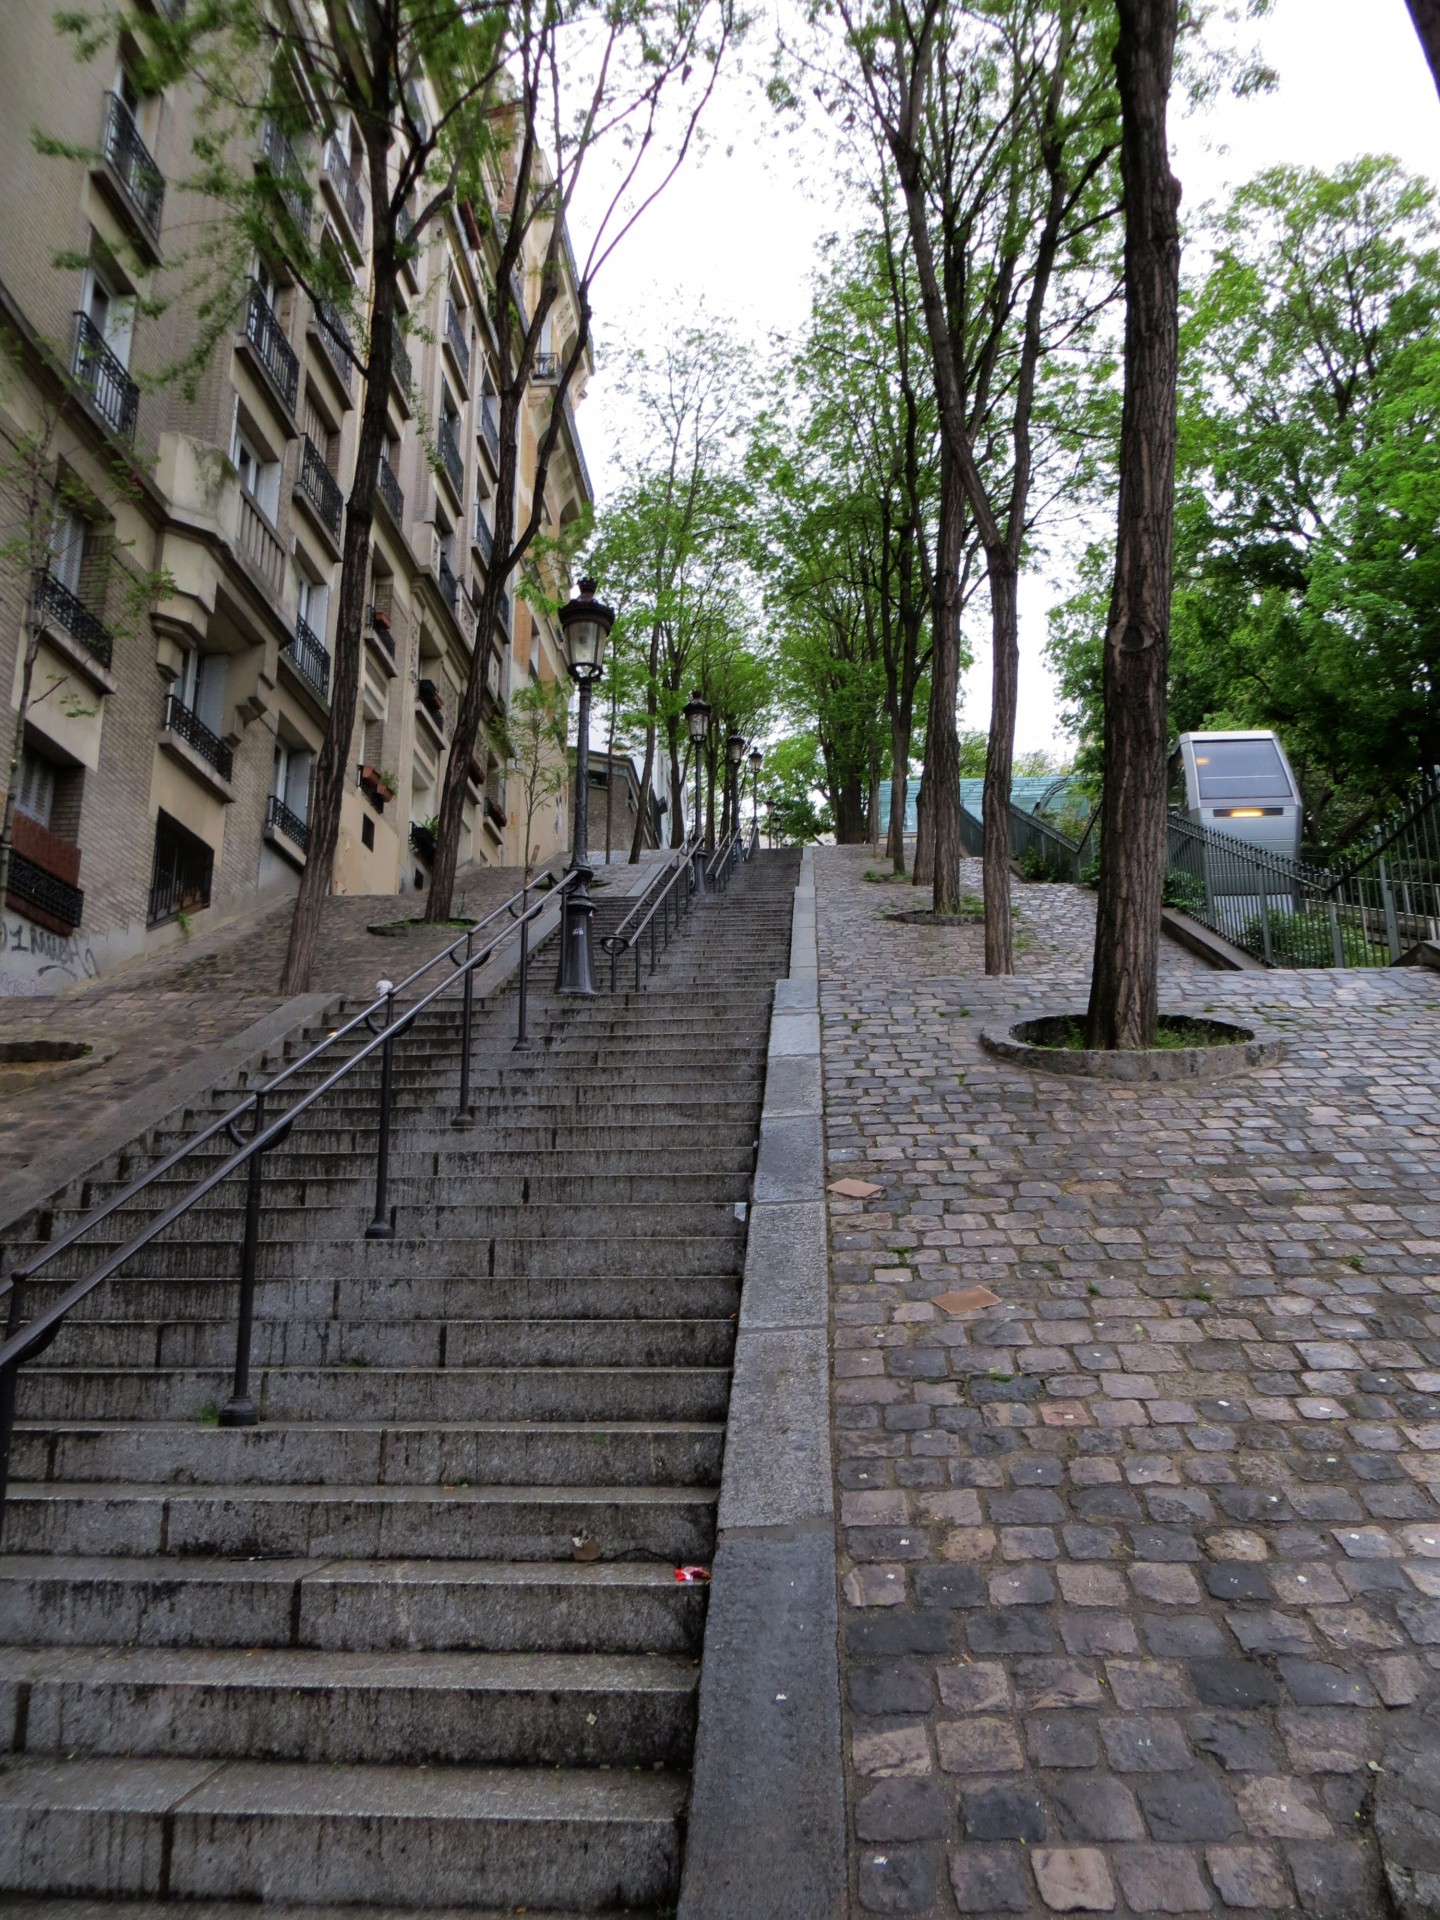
pixel 35 797
pixel 326 443
pixel 201 687
pixel 143 108
pixel 110 312
pixel 1240 770
pixel 260 478
pixel 313 604
pixel 291 781
pixel 67 549
pixel 181 873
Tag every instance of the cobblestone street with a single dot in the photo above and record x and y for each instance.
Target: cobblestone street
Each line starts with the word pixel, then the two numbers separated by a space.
pixel 1139 1558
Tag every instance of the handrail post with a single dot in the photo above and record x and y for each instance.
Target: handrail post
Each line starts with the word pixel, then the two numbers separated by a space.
pixel 9 1387
pixel 522 1038
pixel 382 1227
pixel 465 1114
pixel 239 1409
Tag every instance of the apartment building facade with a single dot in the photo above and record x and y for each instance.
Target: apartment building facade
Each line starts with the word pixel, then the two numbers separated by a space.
pixel 190 581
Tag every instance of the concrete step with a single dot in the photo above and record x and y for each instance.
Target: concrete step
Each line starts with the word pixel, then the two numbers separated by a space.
pixel 348 1183
pixel 384 1394
pixel 355 1605
pixel 556 1453
pixel 189 1829
pixel 325 1707
pixel 412 1342
pixel 671 1524
pixel 37 1907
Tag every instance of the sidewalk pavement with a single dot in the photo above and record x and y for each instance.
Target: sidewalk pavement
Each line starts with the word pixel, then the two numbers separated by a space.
pixel 1139 1561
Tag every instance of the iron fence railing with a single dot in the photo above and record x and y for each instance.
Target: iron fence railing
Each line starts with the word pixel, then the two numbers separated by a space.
pixel 103 375
pixel 455 338
pixel 28 881
pixel 321 488
pixel 450 454
pixel 306 653
pixel 668 896
pixel 335 336
pixel 484 538
pixel 267 336
pixel 337 166
pixel 59 606
pixel 181 875
pixel 490 428
pixel 134 165
pixel 390 491
pixel 184 722
pixel 286 170
pixel 285 820
pixel 449 585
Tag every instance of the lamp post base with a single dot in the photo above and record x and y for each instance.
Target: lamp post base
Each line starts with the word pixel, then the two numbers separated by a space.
pixel 701 884
pixel 577 958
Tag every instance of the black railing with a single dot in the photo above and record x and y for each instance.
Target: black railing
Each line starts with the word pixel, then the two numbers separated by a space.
pixel 546 369
pixel 667 895
pixel 449 585
pixel 306 652
pixel 429 696
pixel 382 634
pixel 45 891
pixel 115 396
pixel 502 610
pixel 459 345
pixel 59 606
pixel 400 370
pixel 320 487
pixel 450 454
pixel 284 820
pixel 375 1031
pixel 723 861
pixel 267 336
pixel 134 165
pixel 335 336
pixel 180 877
pixel 484 539
pixel 390 491
pixel 490 428
pixel 283 164
pixel 347 186
pixel 187 725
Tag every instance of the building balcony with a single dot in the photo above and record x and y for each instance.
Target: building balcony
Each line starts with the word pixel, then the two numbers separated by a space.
pixel 285 168
pixel 481 538
pixel 489 428
pixel 391 493
pixel 402 376
pixel 128 169
pixel 346 195
pixel 334 335
pixel 44 870
pixel 320 491
pixel 375 787
pixel 380 635
pixel 408 249
pixel 180 879
pixel 266 339
pixel 282 820
pixel 59 607
pixel 449 585
pixel 451 458
pixel 503 611
pixel 422 841
pixel 305 651
pixel 111 392
pixel 546 370
pixel 260 545
pixel 187 725
pixel 428 694
pixel 457 346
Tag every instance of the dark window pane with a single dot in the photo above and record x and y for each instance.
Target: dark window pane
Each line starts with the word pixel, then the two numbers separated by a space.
pixel 1241 770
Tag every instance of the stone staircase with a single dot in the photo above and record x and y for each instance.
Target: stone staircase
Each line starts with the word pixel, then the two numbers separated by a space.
pixel 415 1641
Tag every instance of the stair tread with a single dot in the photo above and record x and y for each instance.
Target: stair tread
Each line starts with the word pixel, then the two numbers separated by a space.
pixel 312 1669
pixel 201 1568
pixel 383 1493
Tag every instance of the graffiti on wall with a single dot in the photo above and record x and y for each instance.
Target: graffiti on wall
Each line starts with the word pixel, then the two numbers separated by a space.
pixel 35 961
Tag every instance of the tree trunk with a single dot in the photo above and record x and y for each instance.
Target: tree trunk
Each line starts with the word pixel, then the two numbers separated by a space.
pixel 900 726
pixel 922 872
pixel 1124 986
pixel 942 763
pixel 332 765
pixel 677 788
pixel 647 778
pixel 1426 15
pixel 999 760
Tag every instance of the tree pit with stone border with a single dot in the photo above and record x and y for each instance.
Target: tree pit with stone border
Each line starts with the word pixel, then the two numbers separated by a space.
pixel 1198 1048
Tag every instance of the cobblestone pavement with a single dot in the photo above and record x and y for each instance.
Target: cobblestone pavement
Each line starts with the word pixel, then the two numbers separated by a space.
pixel 150 1019
pixel 1138 1561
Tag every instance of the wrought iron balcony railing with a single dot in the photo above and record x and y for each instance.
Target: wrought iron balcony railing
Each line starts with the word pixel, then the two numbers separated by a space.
pixel 285 820
pixel 59 605
pixel 400 370
pixel 336 338
pixel 115 396
pixel 450 453
pixel 503 610
pixel 490 428
pixel 288 173
pixel 484 538
pixel 337 166
pixel 320 487
pixel 546 369
pixel 459 345
pixel 391 492
pixel 134 165
pixel 449 585
pixel 187 725
pixel 306 651
pixel 45 891
pixel 180 878
pixel 267 336
pixel 381 634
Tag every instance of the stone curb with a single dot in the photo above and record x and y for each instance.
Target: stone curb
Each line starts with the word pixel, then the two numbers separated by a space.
pixel 1159 1065
pixel 1209 945
pixel 767 1808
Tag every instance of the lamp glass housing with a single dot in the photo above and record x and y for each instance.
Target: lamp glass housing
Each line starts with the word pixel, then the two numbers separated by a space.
pixel 735 748
pixel 755 758
pixel 697 717
pixel 586 625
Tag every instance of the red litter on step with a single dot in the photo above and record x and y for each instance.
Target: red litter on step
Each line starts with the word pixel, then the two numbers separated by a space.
pixel 692 1576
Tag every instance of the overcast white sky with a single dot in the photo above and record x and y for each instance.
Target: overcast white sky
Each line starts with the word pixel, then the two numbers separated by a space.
pixel 736 232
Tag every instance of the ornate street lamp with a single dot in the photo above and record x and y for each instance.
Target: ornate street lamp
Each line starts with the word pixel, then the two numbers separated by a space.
pixel 734 754
pixel 755 758
pixel 697 721
pixel 585 624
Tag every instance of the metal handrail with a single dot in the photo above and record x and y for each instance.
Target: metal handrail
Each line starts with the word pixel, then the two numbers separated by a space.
pixel 718 871
pixel 26 1342
pixel 627 936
